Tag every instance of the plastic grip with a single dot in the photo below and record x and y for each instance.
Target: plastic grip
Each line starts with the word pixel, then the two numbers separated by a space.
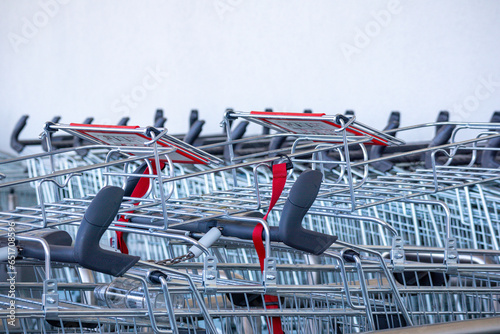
pixel 193 117
pixel 241 230
pixel 276 143
pixel 394 120
pixel 442 137
pixel 194 132
pixel 154 276
pixel 349 113
pixel 123 121
pixel 495 118
pixel 100 213
pixel 58 253
pixel 245 231
pixel 378 150
pixel 488 157
pixel 349 255
pixel 239 130
pixel 300 199
pixel 265 129
pixel 58 240
pixel 158 115
pixel 133 180
pixel 87 251
pixel 443 116
pixel 160 122
pixel 77 142
pixel 15 144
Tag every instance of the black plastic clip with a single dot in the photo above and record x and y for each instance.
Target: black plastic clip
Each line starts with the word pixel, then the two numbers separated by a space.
pixel 151 129
pixel 289 163
pixel 48 127
pixel 339 117
pixel 349 254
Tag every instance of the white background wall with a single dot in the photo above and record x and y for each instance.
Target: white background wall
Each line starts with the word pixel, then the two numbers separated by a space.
pixel 78 58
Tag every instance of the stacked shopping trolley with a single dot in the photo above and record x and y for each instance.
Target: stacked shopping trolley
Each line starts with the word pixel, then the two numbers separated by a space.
pixel 145 233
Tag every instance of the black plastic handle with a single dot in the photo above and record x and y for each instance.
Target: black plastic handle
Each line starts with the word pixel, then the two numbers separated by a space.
pixel 100 213
pixel 160 122
pixel 77 142
pixel 443 116
pixel 58 141
pixel 133 180
pixel 239 130
pixel 194 132
pixel 241 230
pixel 19 144
pixel 87 251
pixel 488 157
pixel 56 119
pixel 349 255
pixel 193 117
pixel 442 137
pixel 15 143
pixel 158 114
pixel 495 118
pixel 123 121
pixel 290 230
pixel 266 130
pixel 349 113
pixel 58 240
pixel 377 150
pixel 301 197
pixel 277 142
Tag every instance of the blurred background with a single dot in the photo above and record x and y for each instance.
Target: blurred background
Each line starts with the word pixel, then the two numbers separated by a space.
pixel 113 59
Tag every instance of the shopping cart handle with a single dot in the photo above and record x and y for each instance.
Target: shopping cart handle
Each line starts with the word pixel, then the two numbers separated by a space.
pixel 77 142
pixel 488 157
pixel 290 232
pixel 194 132
pixel 87 251
pixel 302 195
pixel 193 117
pixel 160 122
pixel 443 116
pixel 133 180
pixel 240 230
pixel 100 213
pixel 245 230
pixel 276 143
pixel 123 121
pixel 377 150
pixel 58 240
pixel 239 130
pixel 17 144
pixel 441 138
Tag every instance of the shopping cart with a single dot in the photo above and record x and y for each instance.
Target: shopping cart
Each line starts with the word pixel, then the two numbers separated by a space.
pixel 234 301
pixel 366 276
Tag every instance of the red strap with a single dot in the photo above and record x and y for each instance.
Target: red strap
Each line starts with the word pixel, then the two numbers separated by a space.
pixel 279 180
pixel 120 240
pixel 139 191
